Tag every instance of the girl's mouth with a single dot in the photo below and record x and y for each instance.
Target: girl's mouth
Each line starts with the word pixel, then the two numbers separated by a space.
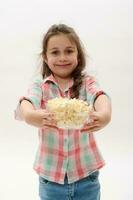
pixel 63 65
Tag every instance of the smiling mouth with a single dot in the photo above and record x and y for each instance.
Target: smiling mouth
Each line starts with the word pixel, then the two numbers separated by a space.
pixel 63 65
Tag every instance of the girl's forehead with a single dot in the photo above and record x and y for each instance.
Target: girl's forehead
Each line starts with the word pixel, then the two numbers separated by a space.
pixel 61 40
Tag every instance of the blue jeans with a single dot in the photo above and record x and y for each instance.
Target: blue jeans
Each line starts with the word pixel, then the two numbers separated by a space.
pixel 85 189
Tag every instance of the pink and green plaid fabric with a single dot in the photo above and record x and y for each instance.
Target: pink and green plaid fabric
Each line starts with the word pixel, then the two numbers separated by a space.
pixel 64 151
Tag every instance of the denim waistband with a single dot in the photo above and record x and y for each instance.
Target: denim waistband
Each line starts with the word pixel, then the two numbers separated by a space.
pixel 95 173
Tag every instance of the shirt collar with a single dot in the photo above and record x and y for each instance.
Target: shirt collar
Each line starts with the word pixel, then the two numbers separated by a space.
pixel 52 79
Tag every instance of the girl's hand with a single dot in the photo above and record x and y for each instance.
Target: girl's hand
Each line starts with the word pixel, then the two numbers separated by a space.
pixel 40 118
pixel 98 120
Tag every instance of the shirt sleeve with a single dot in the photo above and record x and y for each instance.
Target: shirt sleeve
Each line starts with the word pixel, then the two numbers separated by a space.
pixel 33 95
pixel 93 90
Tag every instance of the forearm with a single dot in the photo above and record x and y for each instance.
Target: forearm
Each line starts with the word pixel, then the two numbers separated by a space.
pixel 38 118
pixel 101 115
pixel 27 112
pixel 103 106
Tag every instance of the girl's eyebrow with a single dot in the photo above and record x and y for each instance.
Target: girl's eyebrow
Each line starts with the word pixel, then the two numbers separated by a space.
pixel 70 47
pixel 56 48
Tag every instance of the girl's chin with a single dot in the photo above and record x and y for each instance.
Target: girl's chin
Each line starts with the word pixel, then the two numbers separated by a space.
pixel 63 75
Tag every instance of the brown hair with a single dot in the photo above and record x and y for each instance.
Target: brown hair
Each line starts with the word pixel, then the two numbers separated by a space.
pixel 77 74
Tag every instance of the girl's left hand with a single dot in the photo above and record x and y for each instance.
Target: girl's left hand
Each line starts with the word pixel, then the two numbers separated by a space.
pixel 98 120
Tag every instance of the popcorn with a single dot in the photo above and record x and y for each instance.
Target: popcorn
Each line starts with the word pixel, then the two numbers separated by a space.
pixel 69 113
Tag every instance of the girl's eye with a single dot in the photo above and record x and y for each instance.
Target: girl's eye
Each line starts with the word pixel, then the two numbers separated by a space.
pixel 54 52
pixel 69 51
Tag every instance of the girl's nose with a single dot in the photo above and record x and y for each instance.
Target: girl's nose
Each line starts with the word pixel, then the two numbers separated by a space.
pixel 63 57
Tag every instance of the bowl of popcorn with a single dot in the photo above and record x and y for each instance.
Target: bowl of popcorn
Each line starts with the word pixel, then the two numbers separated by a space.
pixel 69 113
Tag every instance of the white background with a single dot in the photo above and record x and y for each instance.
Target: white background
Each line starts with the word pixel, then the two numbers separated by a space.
pixel 106 30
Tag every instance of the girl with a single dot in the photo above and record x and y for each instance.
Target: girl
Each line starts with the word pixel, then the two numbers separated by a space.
pixel 67 161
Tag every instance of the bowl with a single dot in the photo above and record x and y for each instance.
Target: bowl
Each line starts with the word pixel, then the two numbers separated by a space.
pixel 69 113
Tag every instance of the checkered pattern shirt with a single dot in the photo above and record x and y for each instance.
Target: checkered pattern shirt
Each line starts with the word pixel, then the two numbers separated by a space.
pixel 63 151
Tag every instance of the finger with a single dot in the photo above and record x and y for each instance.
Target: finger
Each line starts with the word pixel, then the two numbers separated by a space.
pixel 94 115
pixel 94 118
pixel 95 129
pixel 49 122
pixel 48 118
pixel 92 124
pixel 90 129
pixel 50 126
pixel 47 115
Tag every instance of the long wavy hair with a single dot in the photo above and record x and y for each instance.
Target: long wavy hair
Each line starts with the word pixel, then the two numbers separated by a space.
pixel 77 74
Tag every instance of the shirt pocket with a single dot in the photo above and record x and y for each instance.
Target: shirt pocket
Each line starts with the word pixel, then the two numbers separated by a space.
pixel 94 176
pixel 43 180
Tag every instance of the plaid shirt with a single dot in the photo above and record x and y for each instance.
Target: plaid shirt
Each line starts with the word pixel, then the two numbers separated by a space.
pixel 64 151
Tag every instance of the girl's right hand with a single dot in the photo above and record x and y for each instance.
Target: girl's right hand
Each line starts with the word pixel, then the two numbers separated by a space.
pixel 40 118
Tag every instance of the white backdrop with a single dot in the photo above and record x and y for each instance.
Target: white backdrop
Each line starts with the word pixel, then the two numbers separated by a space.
pixel 105 27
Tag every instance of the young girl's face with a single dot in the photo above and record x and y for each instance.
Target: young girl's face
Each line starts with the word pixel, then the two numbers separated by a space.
pixel 61 56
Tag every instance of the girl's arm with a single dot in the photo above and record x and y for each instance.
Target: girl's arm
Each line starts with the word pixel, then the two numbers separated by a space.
pixel 38 118
pixel 101 115
pixel 102 105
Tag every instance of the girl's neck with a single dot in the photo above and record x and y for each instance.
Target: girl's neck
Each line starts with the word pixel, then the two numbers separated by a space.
pixel 62 82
